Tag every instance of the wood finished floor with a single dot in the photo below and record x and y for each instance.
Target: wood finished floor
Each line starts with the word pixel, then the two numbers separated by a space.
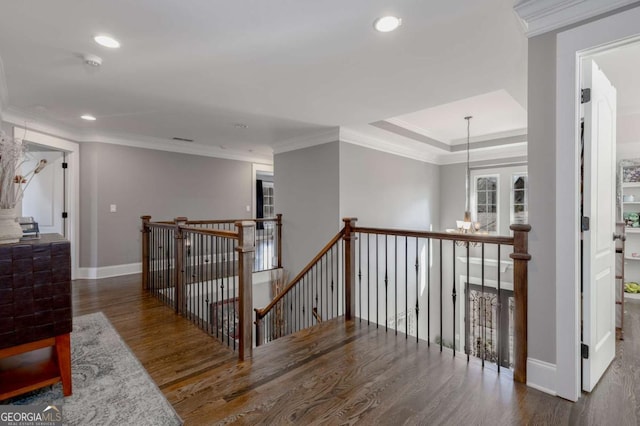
pixel 343 374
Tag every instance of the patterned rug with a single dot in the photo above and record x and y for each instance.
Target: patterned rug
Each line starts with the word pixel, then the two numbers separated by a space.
pixel 110 386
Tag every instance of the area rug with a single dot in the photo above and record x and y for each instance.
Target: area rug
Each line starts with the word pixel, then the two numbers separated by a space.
pixel 110 386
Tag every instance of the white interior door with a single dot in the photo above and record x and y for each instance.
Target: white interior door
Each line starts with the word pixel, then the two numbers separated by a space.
pixel 44 197
pixel 598 303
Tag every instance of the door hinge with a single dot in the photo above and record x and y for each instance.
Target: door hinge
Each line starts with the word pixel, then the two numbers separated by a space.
pixel 585 351
pixel 65 165
pixel 65 215
pixel 584 226
pixel 585 96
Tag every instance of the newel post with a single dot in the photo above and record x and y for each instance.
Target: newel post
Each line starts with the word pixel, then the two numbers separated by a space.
pixel 349 267
pixel 245 249
pixel 520 258
pixel 279 236
pixel 178 263
pixel 145 250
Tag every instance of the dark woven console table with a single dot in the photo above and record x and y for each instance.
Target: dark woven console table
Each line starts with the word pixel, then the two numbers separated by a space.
pixel 35 315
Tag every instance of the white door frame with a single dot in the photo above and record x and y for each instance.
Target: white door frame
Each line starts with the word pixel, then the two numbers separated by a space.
pixel 255 168
pixel 72 150
pixel 572 46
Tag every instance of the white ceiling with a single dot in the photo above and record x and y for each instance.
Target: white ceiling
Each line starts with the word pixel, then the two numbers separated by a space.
pixel 285 68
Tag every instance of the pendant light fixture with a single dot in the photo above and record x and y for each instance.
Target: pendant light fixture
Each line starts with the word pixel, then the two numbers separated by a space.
pixel 466 225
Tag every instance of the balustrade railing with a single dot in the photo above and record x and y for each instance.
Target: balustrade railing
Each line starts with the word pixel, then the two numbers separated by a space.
pixel 205 274
pixel 466 292
pixel 316 294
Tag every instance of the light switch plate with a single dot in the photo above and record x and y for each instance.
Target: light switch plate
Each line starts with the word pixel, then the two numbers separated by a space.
pixel 113 208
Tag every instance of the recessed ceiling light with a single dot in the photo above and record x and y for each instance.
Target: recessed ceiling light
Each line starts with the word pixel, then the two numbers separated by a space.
pixel 107 41
pixel 387 23
pixel 88 117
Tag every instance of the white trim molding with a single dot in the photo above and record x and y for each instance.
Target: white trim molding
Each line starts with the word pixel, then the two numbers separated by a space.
pixel 109 271
pixel 571 47
pixel 356 138
pixel 541 375
pixel 541 16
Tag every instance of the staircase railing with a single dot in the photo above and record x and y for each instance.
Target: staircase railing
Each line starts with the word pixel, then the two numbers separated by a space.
pixel 464 292
pixel 204 273
pixel 316 294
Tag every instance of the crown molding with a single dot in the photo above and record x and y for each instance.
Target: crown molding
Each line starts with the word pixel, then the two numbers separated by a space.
pixel 357 138
pixel 541 16
pixel 495 153
pixel 306 141
pixel 19 119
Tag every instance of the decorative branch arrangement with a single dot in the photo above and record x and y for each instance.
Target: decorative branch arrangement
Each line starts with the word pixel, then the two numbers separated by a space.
pixel 13 183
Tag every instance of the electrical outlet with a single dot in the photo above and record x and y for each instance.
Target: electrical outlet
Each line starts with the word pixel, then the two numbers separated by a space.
pixel 248 208
pixel 113 208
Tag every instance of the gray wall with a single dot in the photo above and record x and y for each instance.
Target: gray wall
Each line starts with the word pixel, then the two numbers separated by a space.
pixel 306 191
pixel 452 196
pixel 162 184
pixel 385 190
pixel 542 194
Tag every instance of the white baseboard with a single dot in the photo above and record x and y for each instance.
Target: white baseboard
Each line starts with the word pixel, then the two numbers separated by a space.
pixel 541 375
pixel 109 271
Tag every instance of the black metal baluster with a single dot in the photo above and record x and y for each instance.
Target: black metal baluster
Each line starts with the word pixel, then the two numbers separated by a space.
pixel 483 310
pixel 441 334
pixel 417 285
pixel 229 298
pixel 386 284
pixel 406 287
pixel 360 276
pixel 453 296
pixel 467 308
pixel 395 269
pixel 428 266
pixel 368 279
pixel 499 322
pixel 377 283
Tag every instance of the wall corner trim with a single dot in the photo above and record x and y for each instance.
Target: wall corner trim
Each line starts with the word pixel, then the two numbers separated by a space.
pixel 541 375
pixel 109 271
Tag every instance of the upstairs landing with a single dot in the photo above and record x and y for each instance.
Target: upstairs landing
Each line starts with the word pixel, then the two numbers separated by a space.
pixel 342 373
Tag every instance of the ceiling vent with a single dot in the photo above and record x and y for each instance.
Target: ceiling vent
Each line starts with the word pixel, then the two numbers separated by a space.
pixel 182 139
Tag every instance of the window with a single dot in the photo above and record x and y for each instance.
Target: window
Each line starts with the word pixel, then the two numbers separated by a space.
pixel 267 200
pixel 486 191
pixel 519 203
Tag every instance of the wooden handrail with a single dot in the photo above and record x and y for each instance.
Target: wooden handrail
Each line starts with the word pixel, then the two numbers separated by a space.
pixel 230 221
pixel 451 236
pixel 260 313
pixel 215 232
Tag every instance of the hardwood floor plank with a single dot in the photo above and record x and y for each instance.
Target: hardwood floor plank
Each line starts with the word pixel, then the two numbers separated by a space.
pixel 344 373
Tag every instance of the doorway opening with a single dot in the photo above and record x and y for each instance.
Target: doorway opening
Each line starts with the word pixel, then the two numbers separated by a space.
pixel 45 199
pixel 607 134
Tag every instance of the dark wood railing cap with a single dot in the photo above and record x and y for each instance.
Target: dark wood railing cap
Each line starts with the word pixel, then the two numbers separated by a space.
pixel 520 227
pixel 520 256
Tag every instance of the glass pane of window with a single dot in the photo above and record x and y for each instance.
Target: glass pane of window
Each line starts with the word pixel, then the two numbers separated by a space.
pixel 519 205
pixel 518 196
pixel 482 197
pixel 482 183
pixel 492 183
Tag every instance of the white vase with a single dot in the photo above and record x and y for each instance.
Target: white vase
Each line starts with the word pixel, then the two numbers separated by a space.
pixel 10 230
